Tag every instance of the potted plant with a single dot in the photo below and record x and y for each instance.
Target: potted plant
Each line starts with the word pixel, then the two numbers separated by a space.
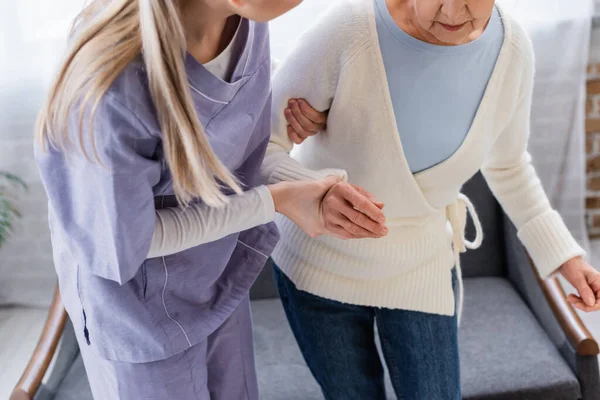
pixel 9 184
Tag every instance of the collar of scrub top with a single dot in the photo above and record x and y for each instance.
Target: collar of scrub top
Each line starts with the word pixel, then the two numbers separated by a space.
pixel 213 88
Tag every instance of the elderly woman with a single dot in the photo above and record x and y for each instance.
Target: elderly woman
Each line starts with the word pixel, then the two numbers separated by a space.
pixel 422 94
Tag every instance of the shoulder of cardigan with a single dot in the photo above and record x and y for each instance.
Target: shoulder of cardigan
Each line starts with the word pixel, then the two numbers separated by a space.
pixel 518 40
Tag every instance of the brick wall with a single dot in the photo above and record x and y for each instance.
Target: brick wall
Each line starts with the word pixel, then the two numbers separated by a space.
pixel 592 128
pixel 592 148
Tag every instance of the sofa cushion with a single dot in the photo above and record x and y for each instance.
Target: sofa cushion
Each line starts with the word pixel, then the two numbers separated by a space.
pixel 505 353
pixel 264 287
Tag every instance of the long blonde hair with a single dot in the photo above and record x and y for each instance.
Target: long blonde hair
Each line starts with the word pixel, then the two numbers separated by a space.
pixel 108 35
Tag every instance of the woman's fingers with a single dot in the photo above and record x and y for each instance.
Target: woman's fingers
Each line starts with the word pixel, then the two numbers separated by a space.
pixel 289 116
pixel 356 221
pixel 578 303
pixel 294 136
pixel 342 227
pixel 309 127
pixel 594 282
pixel 585 291
pixel 312 120
pixel 369 195
pixel 340 233
pixel 357 232
pixel 318 117
pixel 346 207
pixel 573 298
pixel 362 203
pixel 296 125
pixel 363 191
pixel 304 120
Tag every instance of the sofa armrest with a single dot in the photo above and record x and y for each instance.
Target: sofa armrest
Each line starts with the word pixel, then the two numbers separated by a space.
pixel 578 335
pixel 44 351
pixel 546 298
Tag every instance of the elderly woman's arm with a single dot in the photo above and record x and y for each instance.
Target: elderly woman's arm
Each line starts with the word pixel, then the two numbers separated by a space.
pixel 311 72
pixel 514 182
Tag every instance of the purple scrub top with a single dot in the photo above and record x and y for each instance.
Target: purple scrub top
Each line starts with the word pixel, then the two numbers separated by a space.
pixel 102 217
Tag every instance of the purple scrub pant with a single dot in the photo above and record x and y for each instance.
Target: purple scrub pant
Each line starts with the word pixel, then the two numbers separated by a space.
pixel 219 368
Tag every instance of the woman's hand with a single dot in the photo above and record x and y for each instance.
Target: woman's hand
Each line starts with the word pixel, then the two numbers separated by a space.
pixel 303 120
pixel 328 207
pixel 587 282
pixel 350 212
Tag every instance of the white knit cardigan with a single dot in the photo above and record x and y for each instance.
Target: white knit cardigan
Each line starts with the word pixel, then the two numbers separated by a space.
pixel 338 66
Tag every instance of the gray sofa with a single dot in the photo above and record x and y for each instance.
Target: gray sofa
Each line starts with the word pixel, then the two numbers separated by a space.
pixel 519 339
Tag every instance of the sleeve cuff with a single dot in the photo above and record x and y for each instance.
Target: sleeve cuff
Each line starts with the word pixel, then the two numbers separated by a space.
pixel 268 205
pixel 290 170
pixel 549 243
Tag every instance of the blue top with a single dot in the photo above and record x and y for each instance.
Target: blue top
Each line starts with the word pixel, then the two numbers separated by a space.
pixel 127 307
pixel 435 90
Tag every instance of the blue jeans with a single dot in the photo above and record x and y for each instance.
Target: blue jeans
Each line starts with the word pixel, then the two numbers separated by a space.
pixel 337 341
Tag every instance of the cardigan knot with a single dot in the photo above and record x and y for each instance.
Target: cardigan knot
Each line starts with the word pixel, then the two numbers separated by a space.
pixel 457 214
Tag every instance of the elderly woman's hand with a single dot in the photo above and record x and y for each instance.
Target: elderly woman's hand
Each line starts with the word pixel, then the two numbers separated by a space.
pixel 303 120
pixel 587 282
pixel 350 212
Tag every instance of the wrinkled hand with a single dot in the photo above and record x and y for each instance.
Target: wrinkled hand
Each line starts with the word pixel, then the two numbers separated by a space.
pixel 587 282
pixel 303 120
pixel 350 212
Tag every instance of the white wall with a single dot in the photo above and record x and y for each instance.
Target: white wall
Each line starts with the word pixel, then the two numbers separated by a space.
pixel 286 29
pixel 31 40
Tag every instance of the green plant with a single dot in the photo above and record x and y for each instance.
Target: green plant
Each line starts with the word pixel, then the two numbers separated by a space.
pixel 9 185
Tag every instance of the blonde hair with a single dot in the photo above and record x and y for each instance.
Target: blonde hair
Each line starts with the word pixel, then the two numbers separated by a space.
pixel 107 36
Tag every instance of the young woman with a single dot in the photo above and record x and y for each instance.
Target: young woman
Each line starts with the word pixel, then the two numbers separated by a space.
pixel 156 124
pixel 421 95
